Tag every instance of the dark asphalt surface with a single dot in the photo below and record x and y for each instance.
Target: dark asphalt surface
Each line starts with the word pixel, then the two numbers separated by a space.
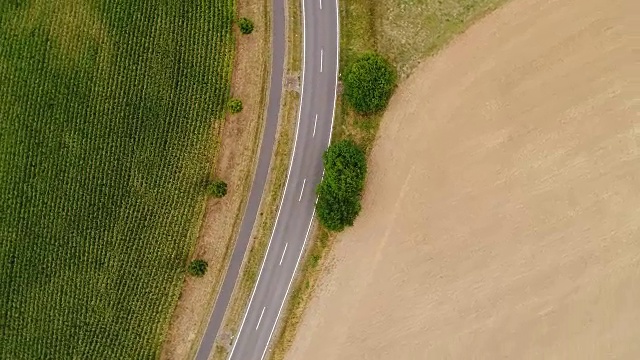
pixel 313 133
pixel 259 180
pixel 320 24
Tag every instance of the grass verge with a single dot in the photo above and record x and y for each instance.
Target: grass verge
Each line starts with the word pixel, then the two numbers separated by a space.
pixel 294 37
pixel 405 32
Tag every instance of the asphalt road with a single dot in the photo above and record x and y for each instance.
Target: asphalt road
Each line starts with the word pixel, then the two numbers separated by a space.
pixel 319 80
pixel 313 133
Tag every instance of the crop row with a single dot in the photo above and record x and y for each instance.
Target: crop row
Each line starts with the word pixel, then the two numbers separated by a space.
pixel 105 125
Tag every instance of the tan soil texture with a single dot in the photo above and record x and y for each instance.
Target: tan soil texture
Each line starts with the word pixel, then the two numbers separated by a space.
pixel 501 218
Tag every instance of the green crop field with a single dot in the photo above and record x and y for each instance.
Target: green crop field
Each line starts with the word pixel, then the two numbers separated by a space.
pixel 106 114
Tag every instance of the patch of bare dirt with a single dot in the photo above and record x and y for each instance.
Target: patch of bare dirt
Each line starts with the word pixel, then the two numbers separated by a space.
pixel 501 217
pixel 239 138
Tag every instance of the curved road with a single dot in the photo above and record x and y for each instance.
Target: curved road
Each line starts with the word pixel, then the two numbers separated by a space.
pixel 295 215
pixel 313 133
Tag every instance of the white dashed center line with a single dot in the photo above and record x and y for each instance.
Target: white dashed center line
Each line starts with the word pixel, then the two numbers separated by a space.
pixel 262 313
pixel 314 126
pixel 284 252
pixel 302 191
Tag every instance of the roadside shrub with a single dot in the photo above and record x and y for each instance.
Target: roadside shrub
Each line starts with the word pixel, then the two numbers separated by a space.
pixel 245 25
pixel 198 267
pixel 217 189
pixel 368 83
pixel 340 190
pixel 234 105
pixel 336 211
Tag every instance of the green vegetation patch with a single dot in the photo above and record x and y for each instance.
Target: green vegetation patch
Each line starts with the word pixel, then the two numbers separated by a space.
pixel 368 83
pixel 341 187
pixel 246 25
pixel 217 189
pixel 106 111
pixel 235 106
pixel 198 267
pixel 405 31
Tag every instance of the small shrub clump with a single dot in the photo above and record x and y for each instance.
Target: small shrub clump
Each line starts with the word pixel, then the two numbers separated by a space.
pixel 340 190
pixel 245 25
pixel 198 268
pixel 217 189
pixel 368 83
pixel 235 105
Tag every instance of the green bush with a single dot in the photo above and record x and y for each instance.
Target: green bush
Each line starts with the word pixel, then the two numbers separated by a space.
pixel 198 267
pixel 368 83
pixel 340 190
pixel 245 25
pixel 234 105
pixel 217 189
pixel 336 211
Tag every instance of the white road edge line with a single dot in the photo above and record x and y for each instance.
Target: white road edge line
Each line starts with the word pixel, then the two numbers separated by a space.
pixel 302 191
pixel 335 94
pixel 262 313
pixel 314 126
pixel 284 252
pixel 290 282
pixel 321 57
pixel 295 140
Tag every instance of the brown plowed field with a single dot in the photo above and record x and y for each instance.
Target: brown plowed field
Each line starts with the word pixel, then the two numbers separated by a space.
pixel 502 213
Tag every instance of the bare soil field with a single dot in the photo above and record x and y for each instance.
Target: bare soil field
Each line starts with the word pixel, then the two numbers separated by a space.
pixel 501 217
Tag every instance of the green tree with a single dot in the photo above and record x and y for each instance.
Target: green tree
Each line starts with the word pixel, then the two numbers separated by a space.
pixel 198 267
pixel 245 25
pixel 235 105
pixel 368 83
pixel 217 189
pixel 340 190
pixel 336 211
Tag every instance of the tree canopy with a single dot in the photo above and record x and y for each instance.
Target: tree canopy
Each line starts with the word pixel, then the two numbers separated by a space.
pixel 245 25
pixel 368 83
pixel 340 190
pixel 217 189
pixel 198 267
